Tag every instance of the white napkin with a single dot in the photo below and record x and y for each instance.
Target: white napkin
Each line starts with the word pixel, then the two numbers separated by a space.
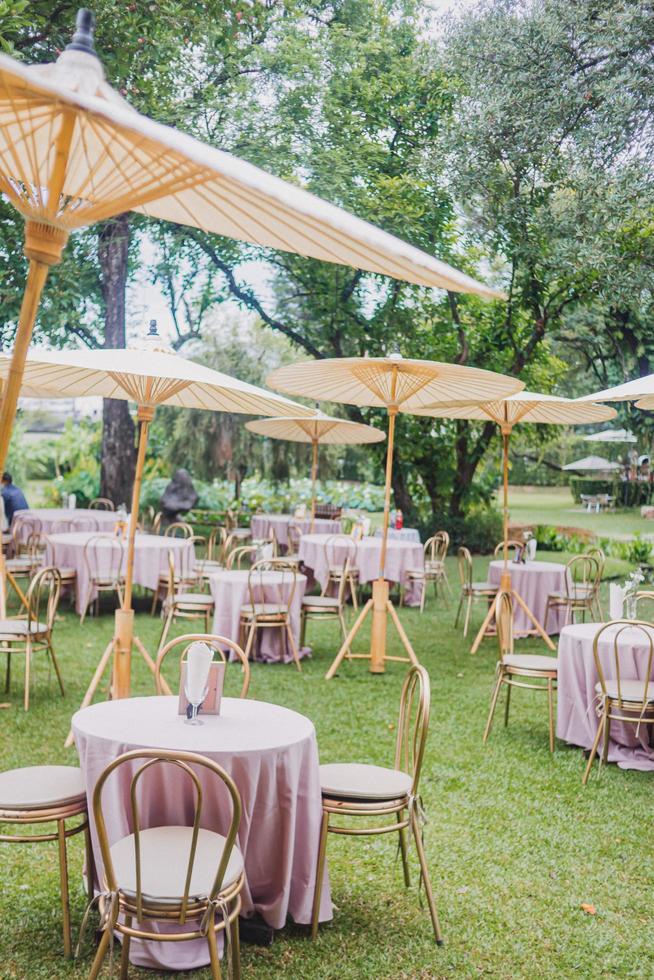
pixel 71 502
pixel 616 601
pixel 266 552
pixel 532 544
pixel 198 663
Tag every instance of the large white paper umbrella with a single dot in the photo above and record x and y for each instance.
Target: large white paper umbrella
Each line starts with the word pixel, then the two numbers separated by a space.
pixel 319 429
pixel 398 385
pixel 612 435
pixel 73 152
pixel 149 375
pixel 525 406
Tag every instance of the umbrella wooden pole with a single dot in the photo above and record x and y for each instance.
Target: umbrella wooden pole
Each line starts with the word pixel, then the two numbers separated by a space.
pixel 392 413
pixel 125 615
pixel 314 472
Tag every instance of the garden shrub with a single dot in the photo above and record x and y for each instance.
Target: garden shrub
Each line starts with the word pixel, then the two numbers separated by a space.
pixel 480 530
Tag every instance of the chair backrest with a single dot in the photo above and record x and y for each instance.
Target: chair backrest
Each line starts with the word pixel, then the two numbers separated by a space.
pixel 340 548
pixel 187 762
pixel 36 545
pixel 616 672
pixel 504 622
pixel 102 503
pixel 281 586
pixel 216 643
pixel 43 598
pixel 413 724
pixel 244 555
pixel 156 522
pixel 61 527
pixel 85 523
pixel 293 534
pixel 179 529
pixel 216 544
pixel 582 576
pixel 21 530
pixel 598 554
pixel 104 557
pixel 512 544
pixel 645 597
pixel 436 547
pixel 464 561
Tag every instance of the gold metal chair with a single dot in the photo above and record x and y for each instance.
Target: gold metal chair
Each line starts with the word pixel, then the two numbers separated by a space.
pixel 276 614
pixel 326 607
pixel 470 591
pixel 214 560
pixel 244 556
pixel 104 557
pixel 38 795
pixel 435 551
pixel 216 643
pixel 582 584
pixel 519 669
pixel 102 503
pixel 512 544
pixel 598 554
pixel 189 876
pixel 341 553
pixel 181 603
pixel 178 529
pixel 620 699
pixel 33 632
pixel 361 790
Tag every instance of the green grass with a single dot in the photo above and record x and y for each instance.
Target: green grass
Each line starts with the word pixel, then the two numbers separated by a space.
pixel 515 844
pixel 554 505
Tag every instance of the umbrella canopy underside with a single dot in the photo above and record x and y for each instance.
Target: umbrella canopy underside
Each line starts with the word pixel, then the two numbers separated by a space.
pixel 322 429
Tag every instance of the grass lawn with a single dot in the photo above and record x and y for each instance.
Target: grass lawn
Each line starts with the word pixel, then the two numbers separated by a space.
pixel 515 844
pixel 554 505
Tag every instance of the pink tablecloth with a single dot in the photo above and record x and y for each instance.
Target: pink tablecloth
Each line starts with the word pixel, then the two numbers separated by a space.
pixel 576 719
pixel 150 558
pixel 262 524
pixel 47 517
pixel 271 754
pixel 229 588
pixel 400 557
pixel 533 581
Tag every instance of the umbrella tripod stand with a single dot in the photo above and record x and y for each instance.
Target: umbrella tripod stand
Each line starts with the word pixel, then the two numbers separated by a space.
pixel 380 605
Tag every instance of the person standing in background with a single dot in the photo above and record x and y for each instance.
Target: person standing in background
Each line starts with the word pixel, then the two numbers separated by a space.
pixel 13 497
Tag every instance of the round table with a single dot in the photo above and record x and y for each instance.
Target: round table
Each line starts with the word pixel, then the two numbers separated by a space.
pixel 150 558
pixel 533 581
pixel 576 718
pixel 400 557
pixel 262 524
pixel 272 755
pixel 47 517
pixel 401 533
pixel 229 588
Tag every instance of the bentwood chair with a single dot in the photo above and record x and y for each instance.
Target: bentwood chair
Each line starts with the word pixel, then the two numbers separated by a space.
pixel 292 552
pixel 214 560
pixel 187 876
pixel 645 605
pixel 435 551
pixel 187 575
pixel 102 503
pixel 33 633
pixel 341 561
pixel 326 607
pixel 242 557
pixel 217 643
pixel 624 700
pixel 178 529
pixel 512 544
pixel 391 795
pixel 598 554
pixel 533 671
pixel 182 603
pixel 580 593
pixel 104 557
pixel 85 523
pixel 272 613
pixel 471 592
pixel 38 795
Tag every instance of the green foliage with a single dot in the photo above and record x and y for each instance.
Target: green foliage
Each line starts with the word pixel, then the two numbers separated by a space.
pixel 639 552
pixel 480 530
pixel 629 493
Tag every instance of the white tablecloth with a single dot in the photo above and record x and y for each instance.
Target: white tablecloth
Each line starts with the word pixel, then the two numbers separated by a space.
pixel 47 517
pixel 533 581
pixel 271 754
pixel 401 534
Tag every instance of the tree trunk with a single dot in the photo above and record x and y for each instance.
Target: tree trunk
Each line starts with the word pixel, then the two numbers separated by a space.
pixel 118 450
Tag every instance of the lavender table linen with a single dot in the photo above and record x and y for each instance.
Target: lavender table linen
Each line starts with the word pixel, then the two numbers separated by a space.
pixel 150 558
pixel 272 755
pixel 401 534
pixel 576 718
pixel 262 524
pixel 47 517
pixel 400 557
pixel 533 581
pixel 229 588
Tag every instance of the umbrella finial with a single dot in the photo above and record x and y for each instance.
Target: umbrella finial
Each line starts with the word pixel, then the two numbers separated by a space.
pixel 153 332
pixel 83 36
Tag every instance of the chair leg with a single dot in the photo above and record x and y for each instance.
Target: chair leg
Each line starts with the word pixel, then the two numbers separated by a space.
pixel 250 641
pixel 547 612
pixel 166 627
pixel 303 627
pixel 236 949
pixel 320 873
pixel 417 836
pixel 593 751
pixel 496 691
pixel 353 593
pixel 458 611
pixel 344 633
pixel 55 664
pixel 507 705
pixel 155 599
pixel 466 623
pixel 550 711
pixel 294 649
pixel 101 951
pixel 607 740
pixel 8 671
pixel 213 950
pixel 90 864
pixel 403 851
pixel 63 884
pixel 423 595
pixel 28 662
pixel 124 955
pixel 85 607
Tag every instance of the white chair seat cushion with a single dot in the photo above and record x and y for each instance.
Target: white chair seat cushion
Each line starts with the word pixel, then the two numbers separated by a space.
pixel 194 598
pixel 320 602
pixel 165 853
pixel 580 592
pixel 415 572
pixel 208 564
pixel 265 609
pixel 530 661
pixel 483 587
pixel 67 572
pixel 40 787
pixel 630 690
pixel 19 627
pixel 336 570
pixel 358 781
